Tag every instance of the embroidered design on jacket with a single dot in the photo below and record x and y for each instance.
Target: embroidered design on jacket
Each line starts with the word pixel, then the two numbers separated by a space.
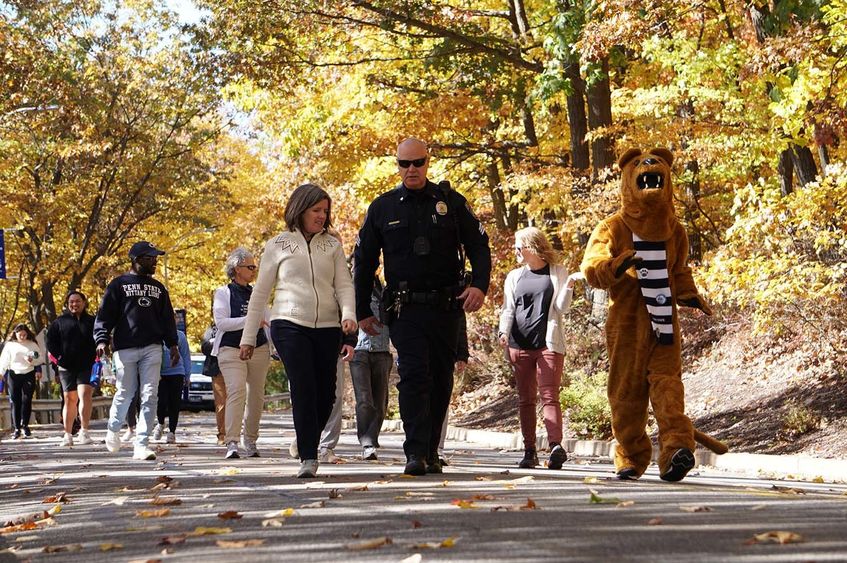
pixel 287 243
pixel 655 287
pixel 325 244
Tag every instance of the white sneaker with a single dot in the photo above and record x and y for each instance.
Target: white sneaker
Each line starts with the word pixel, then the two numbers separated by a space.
pixel 157 432
pixel 328 456
pixel 369 453
pixel 308 469
pixel 231 450
pixel 67 440
pixel 292 449
pixel 113 441
pixel 128 436
pixel 170 438
pixel 249 447
pixel 83 437
pixel 143 453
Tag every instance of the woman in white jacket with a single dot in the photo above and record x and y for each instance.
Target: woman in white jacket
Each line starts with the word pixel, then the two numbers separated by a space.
pixel 306 270
pixel 534 298
pixel 21 357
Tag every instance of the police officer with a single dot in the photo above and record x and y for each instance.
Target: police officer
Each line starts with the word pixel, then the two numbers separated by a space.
pixel 423 230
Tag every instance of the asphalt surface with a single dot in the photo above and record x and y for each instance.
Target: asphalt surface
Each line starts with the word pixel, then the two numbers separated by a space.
pixel 481 509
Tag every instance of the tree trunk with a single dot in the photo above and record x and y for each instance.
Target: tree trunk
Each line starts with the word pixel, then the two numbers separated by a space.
pixel 577 121
pixel 804 164
pixel 786 172
pixel 498 199
pixel 692 192
pixel 599 96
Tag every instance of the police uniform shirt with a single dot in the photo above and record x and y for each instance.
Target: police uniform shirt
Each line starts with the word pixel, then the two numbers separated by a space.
pixel 398 221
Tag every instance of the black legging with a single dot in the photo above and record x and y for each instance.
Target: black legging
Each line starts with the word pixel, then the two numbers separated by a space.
pixel 21 388
pixel 170 397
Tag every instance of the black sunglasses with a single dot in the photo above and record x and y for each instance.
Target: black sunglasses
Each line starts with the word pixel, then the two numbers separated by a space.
pixel 418 162
pixel 251 267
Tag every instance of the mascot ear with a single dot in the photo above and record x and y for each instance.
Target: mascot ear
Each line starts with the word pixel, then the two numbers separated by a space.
pixel 664 154
pixel 627 156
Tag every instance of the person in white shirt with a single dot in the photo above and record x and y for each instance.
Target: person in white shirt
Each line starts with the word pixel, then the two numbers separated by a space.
pixel 305 269
pixel 21 357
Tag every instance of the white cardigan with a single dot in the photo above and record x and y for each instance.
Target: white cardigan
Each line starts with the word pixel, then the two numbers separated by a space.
pixel 310 282
pixel 555 337
pixel 20 356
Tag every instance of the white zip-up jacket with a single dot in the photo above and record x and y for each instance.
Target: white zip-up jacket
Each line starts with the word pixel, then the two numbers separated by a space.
pixel 555 337
pixel 310 283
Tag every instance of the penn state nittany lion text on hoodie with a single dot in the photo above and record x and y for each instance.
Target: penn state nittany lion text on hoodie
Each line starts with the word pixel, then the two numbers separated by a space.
pixel 138 309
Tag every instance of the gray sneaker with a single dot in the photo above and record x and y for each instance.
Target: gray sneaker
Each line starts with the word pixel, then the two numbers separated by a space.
pixel 231 450
pixel 157 432
pixel 308 469
pixel 249 447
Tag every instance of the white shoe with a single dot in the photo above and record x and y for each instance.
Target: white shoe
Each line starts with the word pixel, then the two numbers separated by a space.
pixel 170 438
pixel 67 440
pixel 83 437
pixel 113 441
pixel 308 469
pixel 157 432
pixel 292 449
pixel 249 447
pixel 369 453
pixel 143 453
pixel 328 456
pixel 128 436
pixel 232 450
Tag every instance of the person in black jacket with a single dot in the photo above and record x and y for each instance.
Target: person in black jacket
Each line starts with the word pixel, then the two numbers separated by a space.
pixel 423 231
pixel 70 340
pixel 136 310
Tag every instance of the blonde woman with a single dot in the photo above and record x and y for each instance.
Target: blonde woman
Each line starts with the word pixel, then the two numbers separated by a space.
pixel 534 298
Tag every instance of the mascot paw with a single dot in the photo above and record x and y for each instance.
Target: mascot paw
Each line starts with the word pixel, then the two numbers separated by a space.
pixel 681 463
pixel 627 264
pixel 696 302
pixel 628 474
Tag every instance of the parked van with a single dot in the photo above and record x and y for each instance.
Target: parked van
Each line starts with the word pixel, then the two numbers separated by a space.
pixel 200 396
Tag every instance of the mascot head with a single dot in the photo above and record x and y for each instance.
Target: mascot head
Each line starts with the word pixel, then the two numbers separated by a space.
pixel 647 193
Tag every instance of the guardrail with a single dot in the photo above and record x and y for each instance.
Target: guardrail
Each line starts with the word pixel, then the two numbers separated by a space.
pixel 49 411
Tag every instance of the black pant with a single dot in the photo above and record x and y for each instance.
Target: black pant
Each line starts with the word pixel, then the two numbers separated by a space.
pixel 426 339
pixel 309 356
pixel 21 389
pixel 170 398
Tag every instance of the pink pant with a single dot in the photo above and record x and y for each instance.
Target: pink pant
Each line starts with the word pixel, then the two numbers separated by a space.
pixel 538 370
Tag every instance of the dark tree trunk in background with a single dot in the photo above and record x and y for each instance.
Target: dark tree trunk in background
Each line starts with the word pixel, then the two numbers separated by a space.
pixel 599 96
pixel 577 121
pixel 786 172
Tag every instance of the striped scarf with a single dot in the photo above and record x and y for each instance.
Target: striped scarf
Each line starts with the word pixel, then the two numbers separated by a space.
pixel 653 279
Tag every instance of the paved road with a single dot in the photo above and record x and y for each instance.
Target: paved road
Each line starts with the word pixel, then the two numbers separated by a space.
pixel 482 509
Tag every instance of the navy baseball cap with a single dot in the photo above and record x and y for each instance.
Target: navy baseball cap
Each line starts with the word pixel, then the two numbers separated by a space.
pixel 144 248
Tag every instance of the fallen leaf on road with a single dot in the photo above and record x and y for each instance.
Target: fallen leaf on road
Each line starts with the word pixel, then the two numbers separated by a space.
pixel 655 521
pixel 317 504
pixel 55 510
pixel 146 561
pixel 238 544
pixel 230 515
pixel 781 537
pixel 463 503
pixel 597 499
pixel 27 538
pixel 530 505
pixel 759 507
pixel 229 471
pixel 359 488
pixel 152 513
pixel 130 490
pixel 19 528
pixel 335 493
pixel 416 524
pixel 419 494
pixel 788 490
pixel 484 497
pixel 164 479
pixel 449 542
pixel 284 513
pixel 58 497
pixel 416 558
pixel 625 503
pixel 698 508
pixel 48 481
pixel 173 540
pixel 206 531
pixel 218 481
pixel 818 479
pixel 273 523
pixel 369 544
pixel 62 548
pixel 118 501
pixel 481 478
pixel 165 501
pixel 591 480
pixel 111 546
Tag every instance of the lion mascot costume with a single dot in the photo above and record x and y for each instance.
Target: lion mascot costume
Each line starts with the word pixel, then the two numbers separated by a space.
pixel 639 255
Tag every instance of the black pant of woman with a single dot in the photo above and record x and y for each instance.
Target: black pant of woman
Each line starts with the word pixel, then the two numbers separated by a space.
pixel 309 356
pixel 21 389
pixel 170 397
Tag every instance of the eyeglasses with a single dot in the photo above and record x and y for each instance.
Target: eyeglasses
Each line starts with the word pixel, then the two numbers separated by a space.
pixel 250 267
pixel 518 248
pixel 418 162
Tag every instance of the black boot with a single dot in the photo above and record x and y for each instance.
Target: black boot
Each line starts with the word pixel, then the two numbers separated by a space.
pixel 433 463
pixel 415 466
pixel 530 459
